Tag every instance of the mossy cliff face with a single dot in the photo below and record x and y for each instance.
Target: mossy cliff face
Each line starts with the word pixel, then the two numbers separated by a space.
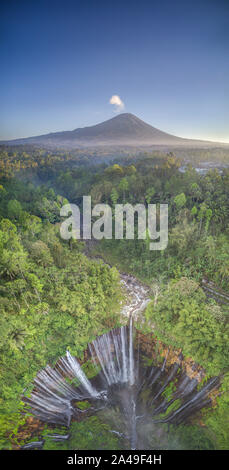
pixel 154 349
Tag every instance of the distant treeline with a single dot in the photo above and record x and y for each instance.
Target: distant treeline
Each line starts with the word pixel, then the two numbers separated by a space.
pixel 45 164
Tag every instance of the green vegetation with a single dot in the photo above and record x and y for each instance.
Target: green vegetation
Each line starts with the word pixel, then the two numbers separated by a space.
pixel 189 438
pixel 53 297
pixel 181 313
pixel 198 220
pixel 89 434
pixel 183 318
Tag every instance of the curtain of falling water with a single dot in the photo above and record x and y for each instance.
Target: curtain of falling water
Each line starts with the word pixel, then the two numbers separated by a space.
pixel 113 356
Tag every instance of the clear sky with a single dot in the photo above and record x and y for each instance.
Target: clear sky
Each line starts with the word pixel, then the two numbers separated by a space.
pixel 62 61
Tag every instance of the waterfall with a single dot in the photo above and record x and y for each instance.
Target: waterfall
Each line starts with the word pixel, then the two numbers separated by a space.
pixel 73 367
pixel 124 356
pixel 122 380
pixel 131 354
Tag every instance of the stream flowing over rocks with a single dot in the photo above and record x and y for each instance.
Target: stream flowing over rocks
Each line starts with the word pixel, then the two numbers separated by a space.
pixel 137 296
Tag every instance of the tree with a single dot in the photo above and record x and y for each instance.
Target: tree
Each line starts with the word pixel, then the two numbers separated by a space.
pixel 13 258
pixel 41 253
pixel 149 195
pixel 14 209
pixel 114 171
pixel 32 225
pixel 180 201
pixel 114 196
pixel 195 192
pixel 123 187
pixel 182 237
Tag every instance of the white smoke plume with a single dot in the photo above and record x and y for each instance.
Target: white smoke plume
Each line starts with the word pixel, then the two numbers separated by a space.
pixel 117 102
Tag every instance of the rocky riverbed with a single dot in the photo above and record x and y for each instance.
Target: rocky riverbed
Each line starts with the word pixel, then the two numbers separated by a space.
pixel 137 296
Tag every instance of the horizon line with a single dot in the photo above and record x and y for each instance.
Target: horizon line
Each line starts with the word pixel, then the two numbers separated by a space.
pixel 43 133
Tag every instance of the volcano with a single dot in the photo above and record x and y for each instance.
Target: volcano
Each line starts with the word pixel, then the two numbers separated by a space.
pixel 122 130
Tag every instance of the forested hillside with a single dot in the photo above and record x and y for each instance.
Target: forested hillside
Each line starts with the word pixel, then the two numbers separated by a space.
pixel 54 298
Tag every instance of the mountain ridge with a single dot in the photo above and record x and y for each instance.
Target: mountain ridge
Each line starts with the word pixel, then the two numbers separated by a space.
pixel 125 129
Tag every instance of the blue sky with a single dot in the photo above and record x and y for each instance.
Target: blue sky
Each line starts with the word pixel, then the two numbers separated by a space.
pixel 61 61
